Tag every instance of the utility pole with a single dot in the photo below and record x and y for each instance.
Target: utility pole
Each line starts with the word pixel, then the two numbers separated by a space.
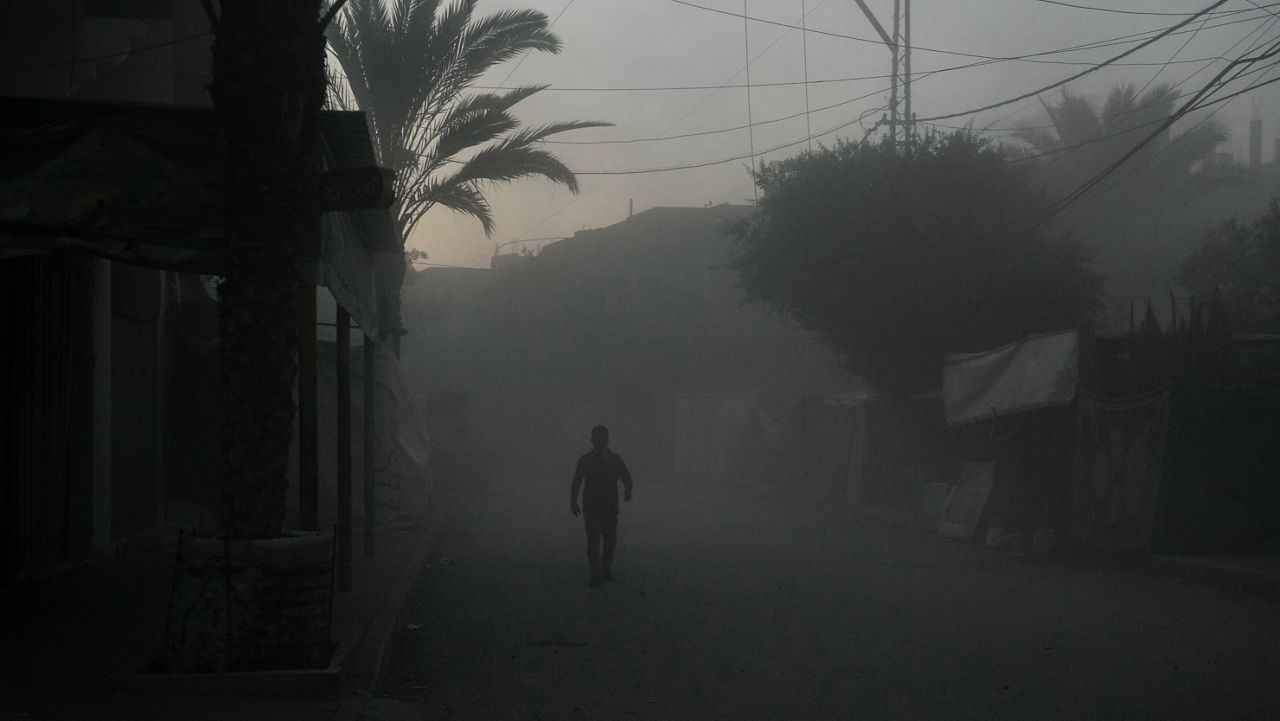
pixel 895 53
pixel 906 71
pixel 751 131
pixel 899 44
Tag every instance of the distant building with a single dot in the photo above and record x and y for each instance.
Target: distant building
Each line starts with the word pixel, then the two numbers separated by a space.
pixel 611 325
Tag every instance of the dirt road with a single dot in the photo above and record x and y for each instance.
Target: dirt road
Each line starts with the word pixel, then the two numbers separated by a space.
pixel 731 607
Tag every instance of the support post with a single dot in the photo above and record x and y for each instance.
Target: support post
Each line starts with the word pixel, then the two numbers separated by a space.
pixel 308 423
pixel 370 408
pixel 343 363
pixel 102 405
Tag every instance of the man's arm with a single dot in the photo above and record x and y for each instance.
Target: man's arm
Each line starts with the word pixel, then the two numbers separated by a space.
pixel 625 475
pixel 573 491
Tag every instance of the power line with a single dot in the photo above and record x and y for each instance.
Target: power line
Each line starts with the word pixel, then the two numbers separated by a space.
pixel 1222 103
pixel 722 161
pixel 1135 12
pixel 1150 81
pixel 1131 129
pixel 1073 147
pixel 1023 58
pixel 1077 76
pixel 1262 28
pixel 1096 139
pixel 525 54
pixel 810 137
pixel 983 61
pixel 1166 32
pixel 921 76
pixel 679 120
pixel 1209 88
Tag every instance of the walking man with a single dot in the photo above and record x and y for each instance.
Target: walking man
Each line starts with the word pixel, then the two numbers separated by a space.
pixel 600 470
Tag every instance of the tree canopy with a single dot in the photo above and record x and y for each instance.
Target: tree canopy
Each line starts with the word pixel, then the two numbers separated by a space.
pixel 898 256
pixel 1242 264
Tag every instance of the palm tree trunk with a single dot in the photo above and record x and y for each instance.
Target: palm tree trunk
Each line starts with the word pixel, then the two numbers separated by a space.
pixel 268 88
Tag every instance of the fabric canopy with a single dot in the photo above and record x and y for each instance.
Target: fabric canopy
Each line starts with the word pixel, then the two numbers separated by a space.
pixel 1036 372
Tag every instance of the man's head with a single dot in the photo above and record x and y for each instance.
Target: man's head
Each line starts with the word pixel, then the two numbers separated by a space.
pixel 600 438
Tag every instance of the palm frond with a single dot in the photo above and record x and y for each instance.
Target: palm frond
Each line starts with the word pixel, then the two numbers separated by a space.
pixel 505 161
pixel 461 197
pixel 409 64
pixel 1074 119
pixel 539 133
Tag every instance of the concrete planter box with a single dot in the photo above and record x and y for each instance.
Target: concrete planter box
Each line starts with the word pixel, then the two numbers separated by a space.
pixel 322 684
pixel 250 606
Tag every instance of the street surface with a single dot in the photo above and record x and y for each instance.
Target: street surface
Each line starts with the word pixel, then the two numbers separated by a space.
pixel 741 607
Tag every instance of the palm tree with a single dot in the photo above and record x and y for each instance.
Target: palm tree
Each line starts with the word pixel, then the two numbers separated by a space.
pixel 410 64
pixel 1082 141
pixel 268 152
pixel 1137 220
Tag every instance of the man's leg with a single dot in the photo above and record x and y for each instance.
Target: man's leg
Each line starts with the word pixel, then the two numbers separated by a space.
pixel 593 524
pixel 609 529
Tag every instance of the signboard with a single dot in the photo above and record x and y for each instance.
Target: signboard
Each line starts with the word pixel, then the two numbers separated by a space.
pixel 967 501
pixel 354 188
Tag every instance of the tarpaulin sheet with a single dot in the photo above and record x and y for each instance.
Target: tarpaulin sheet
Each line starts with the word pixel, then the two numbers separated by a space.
pixel 1036 372
pixel 1120 447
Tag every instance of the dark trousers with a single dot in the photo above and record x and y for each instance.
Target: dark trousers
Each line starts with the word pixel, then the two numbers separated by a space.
pixel 600 524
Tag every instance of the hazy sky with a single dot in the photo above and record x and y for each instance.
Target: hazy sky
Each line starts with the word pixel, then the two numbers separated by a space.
pixel 661 43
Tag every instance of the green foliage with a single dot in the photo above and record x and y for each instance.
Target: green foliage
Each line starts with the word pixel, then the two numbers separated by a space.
pixel 1242 263
pixel 410 64
pixel 898 257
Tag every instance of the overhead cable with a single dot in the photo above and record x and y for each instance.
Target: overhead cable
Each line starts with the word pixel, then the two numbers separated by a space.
pixel 1117 11
pixel 1083 73
pixel 855 38
pixel 917 78
pixel 1209 88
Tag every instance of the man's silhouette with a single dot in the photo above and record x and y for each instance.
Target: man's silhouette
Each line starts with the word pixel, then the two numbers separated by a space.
pixel 600 470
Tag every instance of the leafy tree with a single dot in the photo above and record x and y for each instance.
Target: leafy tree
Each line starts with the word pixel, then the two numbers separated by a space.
pixel 410 65
pixel 1242 263
pixel 898 257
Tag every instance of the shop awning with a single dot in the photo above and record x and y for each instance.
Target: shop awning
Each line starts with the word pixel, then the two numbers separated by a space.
pixel 143 184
